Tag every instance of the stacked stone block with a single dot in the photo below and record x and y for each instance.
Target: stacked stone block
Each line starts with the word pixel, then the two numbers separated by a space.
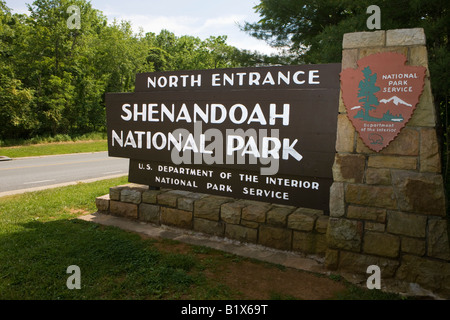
pixel 276 226
pixel 389 208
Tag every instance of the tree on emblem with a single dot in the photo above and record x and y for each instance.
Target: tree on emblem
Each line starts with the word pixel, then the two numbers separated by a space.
pixel 367 89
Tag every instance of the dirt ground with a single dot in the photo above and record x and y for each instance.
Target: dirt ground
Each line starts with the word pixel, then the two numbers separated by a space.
pixel 262 281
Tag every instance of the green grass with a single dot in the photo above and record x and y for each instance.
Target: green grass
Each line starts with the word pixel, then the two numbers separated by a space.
pixel 54 148
pixel 40 237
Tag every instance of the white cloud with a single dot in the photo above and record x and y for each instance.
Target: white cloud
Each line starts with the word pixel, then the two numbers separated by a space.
pixel 183 25
pixel 199 18
pixel 195 26
pixel 180 25
pixel 221 21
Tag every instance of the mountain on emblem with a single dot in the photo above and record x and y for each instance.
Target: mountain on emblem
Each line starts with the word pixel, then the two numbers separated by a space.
pixel 396 100
pixel 380 96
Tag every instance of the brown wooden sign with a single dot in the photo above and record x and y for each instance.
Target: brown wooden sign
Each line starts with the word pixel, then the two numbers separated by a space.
pixel 380 96
pixel 265 134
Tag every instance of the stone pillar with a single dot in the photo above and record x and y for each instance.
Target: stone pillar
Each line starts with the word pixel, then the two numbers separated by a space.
pixel 388 208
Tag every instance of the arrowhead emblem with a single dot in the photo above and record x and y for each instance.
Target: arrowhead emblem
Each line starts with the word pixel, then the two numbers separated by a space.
pixel 380 96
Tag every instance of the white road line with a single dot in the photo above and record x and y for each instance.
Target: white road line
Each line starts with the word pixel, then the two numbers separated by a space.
pixel 51 164
pixel 32 182
pixel 13 192
pixel 112 172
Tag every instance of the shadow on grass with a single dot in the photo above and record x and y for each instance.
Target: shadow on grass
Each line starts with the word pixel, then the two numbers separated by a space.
pixel 114 264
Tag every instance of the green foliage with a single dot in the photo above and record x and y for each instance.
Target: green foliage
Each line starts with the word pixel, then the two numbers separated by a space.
pixel 53 79
pixel 15 107
pixel 15 100
pixel 45 139
pixel 367 90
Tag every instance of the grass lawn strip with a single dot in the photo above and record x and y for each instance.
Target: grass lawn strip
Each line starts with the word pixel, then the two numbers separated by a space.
pixel 54 148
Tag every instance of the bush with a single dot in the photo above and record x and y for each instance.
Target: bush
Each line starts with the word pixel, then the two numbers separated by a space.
pixel 57 138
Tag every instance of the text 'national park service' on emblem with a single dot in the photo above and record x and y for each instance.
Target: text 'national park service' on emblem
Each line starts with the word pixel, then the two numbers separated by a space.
pixel 380 96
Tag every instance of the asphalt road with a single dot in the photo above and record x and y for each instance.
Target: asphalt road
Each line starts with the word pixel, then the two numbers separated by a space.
pixel 36 173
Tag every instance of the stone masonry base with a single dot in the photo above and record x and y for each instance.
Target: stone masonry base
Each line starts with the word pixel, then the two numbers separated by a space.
pixel 271 225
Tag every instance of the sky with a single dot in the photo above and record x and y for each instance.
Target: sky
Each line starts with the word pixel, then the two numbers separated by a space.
pixel 199 18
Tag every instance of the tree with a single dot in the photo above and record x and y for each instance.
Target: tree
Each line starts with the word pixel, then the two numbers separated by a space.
pixel 16 117
pixel 220 54
pixel 366 92
pixel 55 62
pixel 167 52
pixel 119 55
